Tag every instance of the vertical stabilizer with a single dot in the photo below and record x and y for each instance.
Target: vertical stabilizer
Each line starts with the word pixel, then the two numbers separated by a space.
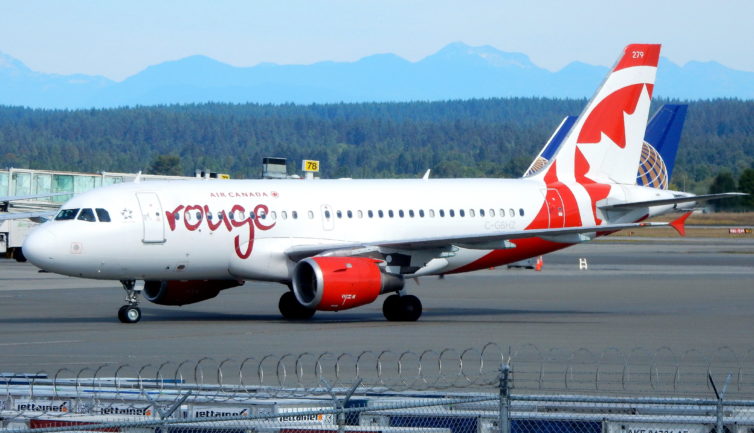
pixel 661 146
pixel 604 146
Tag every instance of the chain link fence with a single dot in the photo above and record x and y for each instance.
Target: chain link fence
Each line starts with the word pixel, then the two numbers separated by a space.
pixel 477 390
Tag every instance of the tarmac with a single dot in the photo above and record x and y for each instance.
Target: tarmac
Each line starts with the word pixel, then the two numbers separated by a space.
pixel 680 294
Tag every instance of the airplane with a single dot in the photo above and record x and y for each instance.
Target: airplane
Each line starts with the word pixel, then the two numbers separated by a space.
pixel 339 244
pixel 658 152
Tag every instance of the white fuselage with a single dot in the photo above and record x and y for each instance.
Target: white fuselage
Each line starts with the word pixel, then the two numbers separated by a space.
pixel 241 229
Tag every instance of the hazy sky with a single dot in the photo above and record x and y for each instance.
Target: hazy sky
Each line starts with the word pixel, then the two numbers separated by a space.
pixel 120 38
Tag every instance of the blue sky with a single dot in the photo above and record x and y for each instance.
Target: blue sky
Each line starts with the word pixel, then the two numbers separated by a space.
pixel 120 38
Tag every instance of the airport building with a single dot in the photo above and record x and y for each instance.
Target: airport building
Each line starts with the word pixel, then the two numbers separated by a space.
pixel 61 185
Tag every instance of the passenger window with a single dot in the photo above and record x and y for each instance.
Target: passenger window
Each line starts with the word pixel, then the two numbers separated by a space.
pixel 421 213
pixel 442 212
pixel 431 213
pixel 66 214
pixel 390 213
pixel 221 215
pixel 511 212
pixel 400 213
pixel 349 214
pixel 411 213
pixel 492 212
pixel 502 213
pixel 461 213
pixel 199 215
pixel 284 215
pixel 273 215
pixel 360 214
pixel 294 214
pixel 481 212
pixel 452 213
pixel 379 212
pixel 339 214
pixel 104 216
pixel 521 212
pixel 252 215
pixel 370 214
pixel 327 214
pixel 311 215
pixel 87 215
pixel 262 215
pixel 471 213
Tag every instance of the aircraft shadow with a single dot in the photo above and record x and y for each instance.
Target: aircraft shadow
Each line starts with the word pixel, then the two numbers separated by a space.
pixel 434 315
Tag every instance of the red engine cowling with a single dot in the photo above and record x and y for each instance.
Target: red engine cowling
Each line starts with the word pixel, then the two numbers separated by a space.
pixel 340 283
pixel 182 292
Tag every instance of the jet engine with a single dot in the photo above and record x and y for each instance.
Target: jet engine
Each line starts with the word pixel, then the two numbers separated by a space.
pixel 340 283
pixel 182 292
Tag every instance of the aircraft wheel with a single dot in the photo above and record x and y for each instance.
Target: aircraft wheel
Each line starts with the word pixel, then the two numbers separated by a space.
pixel 291 309
pixel 402 308
pixel 129 314
pixel 390 307
pixel 411 308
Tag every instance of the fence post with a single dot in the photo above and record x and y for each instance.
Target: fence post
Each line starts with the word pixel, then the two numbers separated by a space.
pixel 719 427
pixel 505 403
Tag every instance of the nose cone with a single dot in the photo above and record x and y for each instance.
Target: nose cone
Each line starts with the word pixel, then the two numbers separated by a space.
pixel 38 247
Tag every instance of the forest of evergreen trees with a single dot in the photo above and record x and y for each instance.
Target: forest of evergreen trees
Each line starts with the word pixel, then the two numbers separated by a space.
pixel 483 138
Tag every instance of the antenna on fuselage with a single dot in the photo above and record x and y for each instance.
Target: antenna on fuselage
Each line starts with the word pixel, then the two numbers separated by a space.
pixel 426 174
pixel 137 179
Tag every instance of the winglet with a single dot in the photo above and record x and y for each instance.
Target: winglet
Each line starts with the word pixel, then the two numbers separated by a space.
pixel 680 224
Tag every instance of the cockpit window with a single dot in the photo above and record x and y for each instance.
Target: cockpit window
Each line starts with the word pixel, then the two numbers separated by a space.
pixel 87 215
pixel 104 216
pixel 66 214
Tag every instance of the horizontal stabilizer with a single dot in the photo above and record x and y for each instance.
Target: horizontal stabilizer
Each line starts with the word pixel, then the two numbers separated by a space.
pixel 676 200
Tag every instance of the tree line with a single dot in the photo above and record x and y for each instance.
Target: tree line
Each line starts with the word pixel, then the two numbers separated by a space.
pixel 472 138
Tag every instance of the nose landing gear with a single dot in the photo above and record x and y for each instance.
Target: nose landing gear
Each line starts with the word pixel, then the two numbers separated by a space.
pixel 130 313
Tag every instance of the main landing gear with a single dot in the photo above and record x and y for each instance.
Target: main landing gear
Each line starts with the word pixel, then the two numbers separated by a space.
pixel 397 308
pixel 130 313
pixel 291 309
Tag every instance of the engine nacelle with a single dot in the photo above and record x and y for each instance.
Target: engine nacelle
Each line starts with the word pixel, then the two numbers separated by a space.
pixel 340 283
pixel 182 292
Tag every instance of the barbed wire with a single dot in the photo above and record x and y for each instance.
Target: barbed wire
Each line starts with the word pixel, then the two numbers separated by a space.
pixel 638 371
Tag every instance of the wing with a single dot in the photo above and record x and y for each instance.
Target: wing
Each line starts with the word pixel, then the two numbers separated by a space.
pixel 482 241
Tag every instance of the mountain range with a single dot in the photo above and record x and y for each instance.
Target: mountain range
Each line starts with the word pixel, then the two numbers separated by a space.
pixel 457 71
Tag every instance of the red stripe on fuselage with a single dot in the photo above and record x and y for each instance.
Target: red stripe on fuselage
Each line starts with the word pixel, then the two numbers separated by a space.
pixel 525 248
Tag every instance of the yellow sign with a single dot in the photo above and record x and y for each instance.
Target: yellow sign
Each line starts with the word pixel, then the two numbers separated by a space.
pixel 310 165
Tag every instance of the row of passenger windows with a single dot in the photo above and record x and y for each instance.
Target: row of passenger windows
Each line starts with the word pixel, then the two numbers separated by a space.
pixel 350 214
pixel 85 214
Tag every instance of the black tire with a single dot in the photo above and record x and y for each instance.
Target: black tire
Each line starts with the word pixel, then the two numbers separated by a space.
pixel 390 308
pixel 410 308
pixel 402 308
pixel 291 309
pixel 129 314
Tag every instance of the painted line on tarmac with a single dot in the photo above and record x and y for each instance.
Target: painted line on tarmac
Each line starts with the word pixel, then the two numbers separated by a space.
pixel 30 343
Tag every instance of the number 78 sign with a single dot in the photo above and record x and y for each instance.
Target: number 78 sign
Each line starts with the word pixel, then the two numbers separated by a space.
pixel 310 165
